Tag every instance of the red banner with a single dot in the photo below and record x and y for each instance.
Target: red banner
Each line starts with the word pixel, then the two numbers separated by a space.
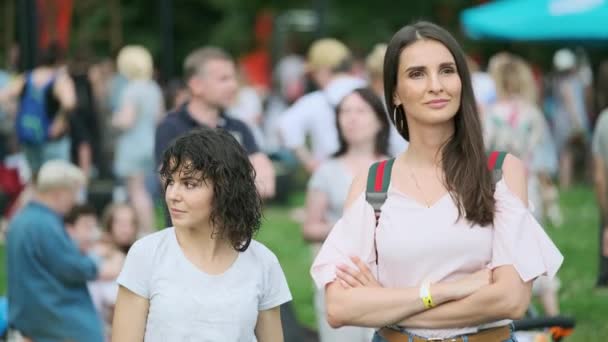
pixel 54 17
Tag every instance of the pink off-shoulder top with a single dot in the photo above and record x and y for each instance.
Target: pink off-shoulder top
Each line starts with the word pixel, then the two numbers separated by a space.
pixel 416 244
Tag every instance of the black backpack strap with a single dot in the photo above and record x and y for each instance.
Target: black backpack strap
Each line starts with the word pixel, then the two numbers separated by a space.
pixel 495 161
pixel 378 181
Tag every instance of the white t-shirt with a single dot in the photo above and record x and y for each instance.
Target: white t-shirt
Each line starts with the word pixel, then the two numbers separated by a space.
pixel 314 114
pixel 187 304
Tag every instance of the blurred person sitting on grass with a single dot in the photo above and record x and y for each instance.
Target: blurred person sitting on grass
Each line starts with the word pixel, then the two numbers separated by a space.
pixel 120 228
pixel 81 223
pixel 47 272
pixel 205 278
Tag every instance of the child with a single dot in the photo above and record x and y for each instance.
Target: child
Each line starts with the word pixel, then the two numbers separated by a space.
pixel 82 225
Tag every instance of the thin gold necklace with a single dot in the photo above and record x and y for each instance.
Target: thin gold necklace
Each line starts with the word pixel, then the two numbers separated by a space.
pixel 418 185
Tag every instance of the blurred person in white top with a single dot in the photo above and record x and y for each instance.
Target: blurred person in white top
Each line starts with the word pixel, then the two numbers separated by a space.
pixel 374 64
pixel 248 107
pixel 329 62
pixel 484 87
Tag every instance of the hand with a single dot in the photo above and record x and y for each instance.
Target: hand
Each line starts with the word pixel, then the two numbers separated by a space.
pixel 111 267
pixel 475 281
pixel 58 127
pixel 362 277
pixel 311 165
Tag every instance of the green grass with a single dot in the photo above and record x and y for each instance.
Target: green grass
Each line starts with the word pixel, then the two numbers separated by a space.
pixel 577 238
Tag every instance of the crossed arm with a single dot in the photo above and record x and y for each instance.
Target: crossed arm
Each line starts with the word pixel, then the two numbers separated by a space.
pixel 352 301
pixel 356 298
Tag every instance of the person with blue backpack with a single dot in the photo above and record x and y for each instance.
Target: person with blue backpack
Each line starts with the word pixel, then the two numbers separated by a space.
pixel 46 96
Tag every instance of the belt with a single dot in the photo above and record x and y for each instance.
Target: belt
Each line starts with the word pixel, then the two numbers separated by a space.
pixel 488 335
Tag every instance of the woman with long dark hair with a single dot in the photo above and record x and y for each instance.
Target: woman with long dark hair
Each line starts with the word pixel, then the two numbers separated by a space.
pixel 448 253
pixel 363 133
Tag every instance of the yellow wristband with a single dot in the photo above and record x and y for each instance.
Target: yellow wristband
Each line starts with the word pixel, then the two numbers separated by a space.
pixel 425 296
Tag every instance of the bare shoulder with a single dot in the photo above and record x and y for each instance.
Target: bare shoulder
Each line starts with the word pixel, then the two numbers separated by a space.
pixel 63 80
pixel 357 187
pixel 514 173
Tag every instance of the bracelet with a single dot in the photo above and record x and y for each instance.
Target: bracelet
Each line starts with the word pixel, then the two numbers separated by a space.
pixel 425 295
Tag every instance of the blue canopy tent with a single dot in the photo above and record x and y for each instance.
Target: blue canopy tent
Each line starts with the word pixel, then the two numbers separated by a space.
pixel 538 20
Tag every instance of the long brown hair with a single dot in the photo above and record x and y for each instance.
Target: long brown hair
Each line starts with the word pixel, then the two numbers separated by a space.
pixel 467 178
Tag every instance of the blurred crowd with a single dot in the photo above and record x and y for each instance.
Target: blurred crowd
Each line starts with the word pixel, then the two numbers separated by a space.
pixel 322 110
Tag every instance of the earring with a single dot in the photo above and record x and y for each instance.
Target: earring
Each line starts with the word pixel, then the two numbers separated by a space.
pixel 395 115
pixel 400 125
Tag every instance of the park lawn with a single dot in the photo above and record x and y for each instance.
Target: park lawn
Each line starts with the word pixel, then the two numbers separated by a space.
pixel 577 238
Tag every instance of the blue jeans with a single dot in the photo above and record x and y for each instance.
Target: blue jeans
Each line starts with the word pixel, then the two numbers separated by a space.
pixel 38 155
pixel 378 338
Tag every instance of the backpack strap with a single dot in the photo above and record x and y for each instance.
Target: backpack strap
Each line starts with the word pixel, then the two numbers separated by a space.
pixel 495 161
pixel 30 86
pixel 51 81
pixel 378 181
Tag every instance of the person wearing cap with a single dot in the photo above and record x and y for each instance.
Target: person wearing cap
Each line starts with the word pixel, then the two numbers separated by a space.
pixel 329 62
pixel 47 273
pixel 571 125
pixel 374 64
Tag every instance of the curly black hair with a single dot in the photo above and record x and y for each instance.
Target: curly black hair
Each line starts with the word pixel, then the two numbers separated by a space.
pixel 217 157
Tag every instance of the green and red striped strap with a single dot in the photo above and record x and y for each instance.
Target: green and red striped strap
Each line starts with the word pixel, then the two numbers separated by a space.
pixel 379 176
pixel 495 160
pixel 378 181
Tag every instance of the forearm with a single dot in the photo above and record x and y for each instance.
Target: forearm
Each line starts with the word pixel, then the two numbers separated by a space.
pixel 316 231
pixel 601 191
pixel 602 201
pixel 268 327
pixel 130 317
pixel 85 158
pixel 306 158
pixel 121 122
pixel 572 110
pixel 77 271
pixel 377 306
pixel 265 179
pixel 489 304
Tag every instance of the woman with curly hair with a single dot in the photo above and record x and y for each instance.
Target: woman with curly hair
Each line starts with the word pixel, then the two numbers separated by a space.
pixel 205 279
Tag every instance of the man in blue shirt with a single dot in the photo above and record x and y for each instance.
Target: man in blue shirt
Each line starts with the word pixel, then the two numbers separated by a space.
pixel 47 274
